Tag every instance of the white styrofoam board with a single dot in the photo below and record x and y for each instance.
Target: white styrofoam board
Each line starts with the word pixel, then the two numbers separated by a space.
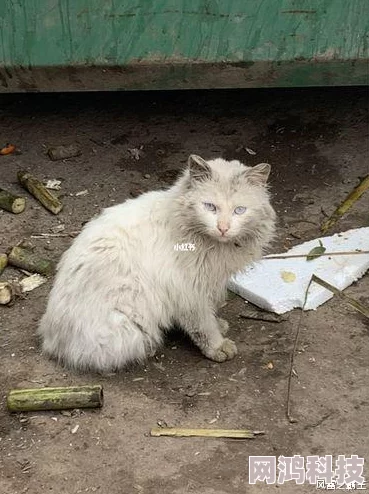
pixel 262 284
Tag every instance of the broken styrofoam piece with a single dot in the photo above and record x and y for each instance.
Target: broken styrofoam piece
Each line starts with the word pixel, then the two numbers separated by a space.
pixel 279 285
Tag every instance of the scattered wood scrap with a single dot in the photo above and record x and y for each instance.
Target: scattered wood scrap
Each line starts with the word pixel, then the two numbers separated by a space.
pixel 351 301
pixel 3 262
pixel 6 293
pixel 224 433
pixel 262 316
pixel 292 371
pixel 354 303
pixel 346 204
pixel 40 192
pixel 56 235
pixel 61 398
pixel 12 203
pixel 29 283
pixel 26 259
pixel 11 289
pixel 321 254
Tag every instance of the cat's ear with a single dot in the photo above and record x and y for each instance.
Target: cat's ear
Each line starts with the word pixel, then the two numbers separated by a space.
pixel 258 175
pixel 199 169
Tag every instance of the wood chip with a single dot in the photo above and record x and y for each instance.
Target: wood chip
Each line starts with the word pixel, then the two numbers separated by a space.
pixel 31 282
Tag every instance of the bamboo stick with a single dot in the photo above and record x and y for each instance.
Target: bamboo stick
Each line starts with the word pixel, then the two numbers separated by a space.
pixel 25 259
pixel 346 204
pixel 38 190
pixel 225 433
pixel 62 398
pixel 10 202
pixel 3 262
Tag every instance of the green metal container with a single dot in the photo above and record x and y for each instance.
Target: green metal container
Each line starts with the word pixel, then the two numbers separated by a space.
pixel 62 45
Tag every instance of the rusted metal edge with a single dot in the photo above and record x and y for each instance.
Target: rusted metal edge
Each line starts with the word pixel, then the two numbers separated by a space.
pixel 191 75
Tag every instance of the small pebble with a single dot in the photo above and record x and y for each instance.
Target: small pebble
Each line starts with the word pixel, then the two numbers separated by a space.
pixel 147 175
pixel 75 429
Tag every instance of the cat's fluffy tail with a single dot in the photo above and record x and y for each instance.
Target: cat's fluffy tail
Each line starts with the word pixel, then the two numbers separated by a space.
pixel 97 348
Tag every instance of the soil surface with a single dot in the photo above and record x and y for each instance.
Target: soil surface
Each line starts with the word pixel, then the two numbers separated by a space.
pixel 317 143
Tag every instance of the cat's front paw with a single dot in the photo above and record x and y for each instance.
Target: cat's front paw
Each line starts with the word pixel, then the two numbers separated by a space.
pixel 226 351
pixel 223 326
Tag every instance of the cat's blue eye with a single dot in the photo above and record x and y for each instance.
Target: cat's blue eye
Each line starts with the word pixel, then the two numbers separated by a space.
pixel 210 206
pixel 239 210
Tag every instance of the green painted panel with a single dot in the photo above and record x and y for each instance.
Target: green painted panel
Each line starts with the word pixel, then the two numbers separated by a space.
pixel 67 44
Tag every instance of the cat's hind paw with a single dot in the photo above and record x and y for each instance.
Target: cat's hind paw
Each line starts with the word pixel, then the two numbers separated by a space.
pixel 226 351
pixel 223 326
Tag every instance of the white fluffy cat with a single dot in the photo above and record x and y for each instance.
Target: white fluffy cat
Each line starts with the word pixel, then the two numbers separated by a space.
pixel 122 283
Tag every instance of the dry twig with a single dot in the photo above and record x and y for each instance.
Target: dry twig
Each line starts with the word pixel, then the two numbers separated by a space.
pixel 325 254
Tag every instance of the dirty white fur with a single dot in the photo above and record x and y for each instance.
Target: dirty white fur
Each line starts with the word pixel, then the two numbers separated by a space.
pixel 122 283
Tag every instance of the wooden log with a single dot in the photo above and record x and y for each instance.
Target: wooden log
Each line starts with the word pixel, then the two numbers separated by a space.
pixel 3 262
pixel 64 152
pixel 10 202
pixel 61 398
pixel 25 259
pixel 6 293
pixel 38 190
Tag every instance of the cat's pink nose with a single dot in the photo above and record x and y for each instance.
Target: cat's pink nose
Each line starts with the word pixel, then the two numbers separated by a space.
pixel 223 229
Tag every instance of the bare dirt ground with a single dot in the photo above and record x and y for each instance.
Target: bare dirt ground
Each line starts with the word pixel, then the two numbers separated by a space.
pixel 317 143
